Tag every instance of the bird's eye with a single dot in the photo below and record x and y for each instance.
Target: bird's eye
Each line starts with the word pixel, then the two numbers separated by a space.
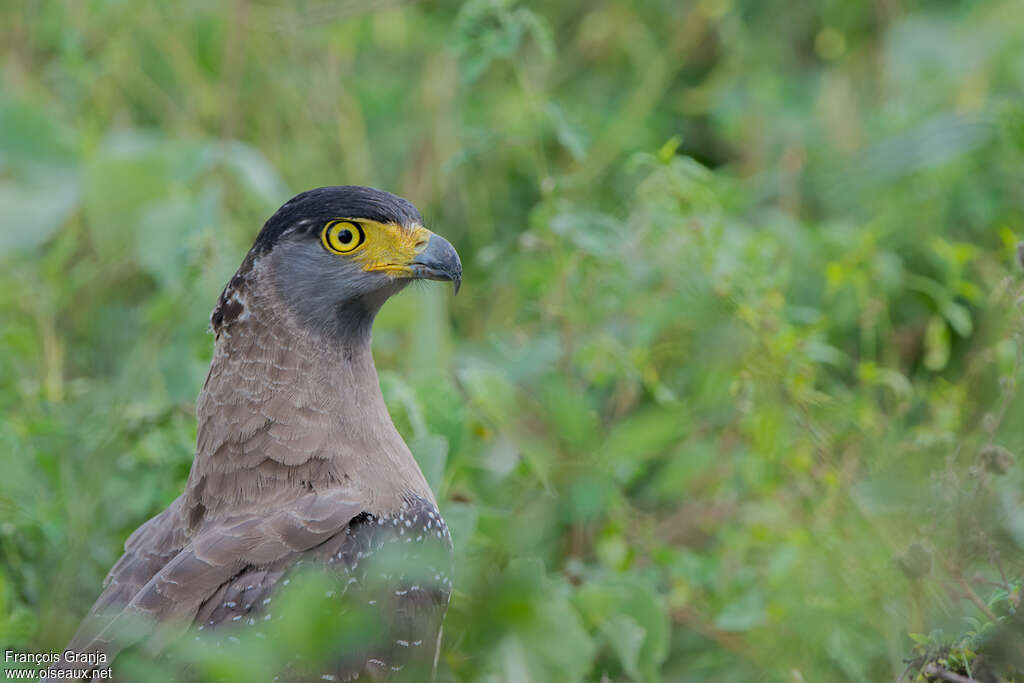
pixel 342 237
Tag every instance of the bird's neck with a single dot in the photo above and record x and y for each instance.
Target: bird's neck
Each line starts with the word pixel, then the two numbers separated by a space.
pixel 286 410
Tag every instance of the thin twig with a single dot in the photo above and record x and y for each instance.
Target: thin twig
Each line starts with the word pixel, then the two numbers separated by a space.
pixel 944 674
pixel 905 672
pixel 978 602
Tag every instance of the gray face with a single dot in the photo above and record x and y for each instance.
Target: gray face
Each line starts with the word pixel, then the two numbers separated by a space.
pixel 324 285
pixel 329 293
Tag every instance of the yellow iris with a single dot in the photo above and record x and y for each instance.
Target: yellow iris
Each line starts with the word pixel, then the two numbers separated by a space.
pixel 342 236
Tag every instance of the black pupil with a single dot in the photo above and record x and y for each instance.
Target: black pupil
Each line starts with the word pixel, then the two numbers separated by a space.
pixel 345 236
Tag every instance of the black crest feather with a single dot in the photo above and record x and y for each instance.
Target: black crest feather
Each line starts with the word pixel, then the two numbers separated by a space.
pixel 306 212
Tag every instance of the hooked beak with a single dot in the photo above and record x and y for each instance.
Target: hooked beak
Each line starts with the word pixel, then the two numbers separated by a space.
pixel 438 261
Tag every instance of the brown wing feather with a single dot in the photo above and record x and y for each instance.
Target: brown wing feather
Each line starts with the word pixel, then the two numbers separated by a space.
pixel 146 551
pixel 172 596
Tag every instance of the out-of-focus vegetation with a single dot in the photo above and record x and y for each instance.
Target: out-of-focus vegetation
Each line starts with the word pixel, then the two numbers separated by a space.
pixel 729 394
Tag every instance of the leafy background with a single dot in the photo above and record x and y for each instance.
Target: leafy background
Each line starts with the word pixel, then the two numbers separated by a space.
pixel 729 393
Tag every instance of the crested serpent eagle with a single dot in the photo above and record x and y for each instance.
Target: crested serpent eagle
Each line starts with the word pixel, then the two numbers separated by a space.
pixel 297 460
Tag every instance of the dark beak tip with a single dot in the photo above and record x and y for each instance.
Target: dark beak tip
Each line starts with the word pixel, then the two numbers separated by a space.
pixel 440 261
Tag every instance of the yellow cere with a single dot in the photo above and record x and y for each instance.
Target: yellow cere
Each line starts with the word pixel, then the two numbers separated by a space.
pixel 377 246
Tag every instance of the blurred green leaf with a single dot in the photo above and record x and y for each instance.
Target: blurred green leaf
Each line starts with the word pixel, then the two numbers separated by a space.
pixel 936 342
pixel 165 231
pixel 29 138
pixel 431 453
pixel 551 641
pixel 255 172
pixel 633 622
pixel 32 215
pixel 743 614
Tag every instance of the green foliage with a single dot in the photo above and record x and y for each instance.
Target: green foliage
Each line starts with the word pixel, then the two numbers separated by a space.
pixel 729 392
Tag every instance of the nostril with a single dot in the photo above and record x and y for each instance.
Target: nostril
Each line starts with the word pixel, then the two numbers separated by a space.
pixel 420 243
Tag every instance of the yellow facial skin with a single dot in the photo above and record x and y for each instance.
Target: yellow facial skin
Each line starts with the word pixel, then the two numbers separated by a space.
pixel 384 247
